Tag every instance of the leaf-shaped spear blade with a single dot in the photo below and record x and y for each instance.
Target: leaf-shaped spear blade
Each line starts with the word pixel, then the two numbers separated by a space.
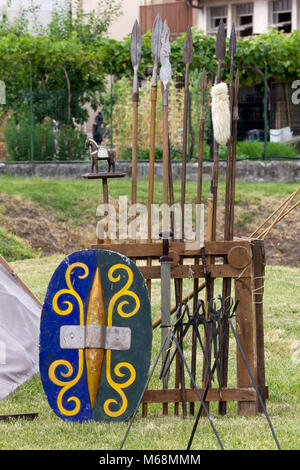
pixel 156 38
pixel 136 45
pixel 165 51
pixel 232 51
pixel 136 52
pixel 156 46
pixel 220 48
pixel 232 43
pixel 188 49
pixel 165 77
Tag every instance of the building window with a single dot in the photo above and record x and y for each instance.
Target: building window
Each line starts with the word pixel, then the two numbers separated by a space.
pixel 244 19
pixel 282 15
pixel 216 15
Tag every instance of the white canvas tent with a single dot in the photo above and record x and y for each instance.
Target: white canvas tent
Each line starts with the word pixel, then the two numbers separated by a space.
pixel 20 313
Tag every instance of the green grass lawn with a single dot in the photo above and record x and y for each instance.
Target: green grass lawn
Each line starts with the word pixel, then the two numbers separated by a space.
pixel 282 352
pixel 74 200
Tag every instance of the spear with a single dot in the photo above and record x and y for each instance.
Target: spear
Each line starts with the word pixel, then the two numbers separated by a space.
pixel 187 59
pixel 232 51
pixel 227 281
pixel 165 77
pixel 199 201
pixel 234 142
pixel 136 51
pixel 155 46
pixel 212 198
pixel 220 54
pixel 201 137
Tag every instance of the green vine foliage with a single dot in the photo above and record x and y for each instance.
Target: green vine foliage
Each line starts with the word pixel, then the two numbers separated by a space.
pixel 281 53
pixel 80 49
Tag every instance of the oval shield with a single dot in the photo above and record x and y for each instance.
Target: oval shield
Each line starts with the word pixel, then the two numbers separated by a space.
pixel 95 337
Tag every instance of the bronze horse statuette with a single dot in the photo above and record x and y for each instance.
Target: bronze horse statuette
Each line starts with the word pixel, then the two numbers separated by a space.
pixel 100 153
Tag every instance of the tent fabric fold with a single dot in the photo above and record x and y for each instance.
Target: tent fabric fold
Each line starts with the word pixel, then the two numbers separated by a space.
pixel 20 314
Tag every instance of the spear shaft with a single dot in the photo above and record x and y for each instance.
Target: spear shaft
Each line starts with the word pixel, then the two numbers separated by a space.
pixel 156 45
pixel 187 58
pixel 227 281
pixel 232 50
pixel 136 49
pixel 201 137
pixel 165 77
pixel 213 196
pixel 220 54
pixel 234 142
pixel 199 201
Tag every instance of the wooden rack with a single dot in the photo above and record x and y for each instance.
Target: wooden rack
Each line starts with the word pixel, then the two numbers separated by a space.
pixel 243 261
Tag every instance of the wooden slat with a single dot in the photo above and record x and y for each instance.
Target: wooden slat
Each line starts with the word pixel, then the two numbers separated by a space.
pixel 178 15
pixel 175 395
pixel 246 331
pixel 195 271
pixel 259 279
pixel 143 250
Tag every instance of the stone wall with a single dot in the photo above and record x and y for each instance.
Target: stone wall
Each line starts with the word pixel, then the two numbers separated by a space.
pixel 282 171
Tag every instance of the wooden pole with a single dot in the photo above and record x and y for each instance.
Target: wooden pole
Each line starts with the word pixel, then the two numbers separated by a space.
pixel 136 50
pixel 227 281
pixel 135 104
pixel 234 142
pixel 284 203
pixel 155 45
pixel 165 77
pixel 220 54
pixel 199 201
pixel 187 59
pixel 279 218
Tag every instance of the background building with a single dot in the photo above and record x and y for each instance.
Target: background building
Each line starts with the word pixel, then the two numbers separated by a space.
pixel 250 18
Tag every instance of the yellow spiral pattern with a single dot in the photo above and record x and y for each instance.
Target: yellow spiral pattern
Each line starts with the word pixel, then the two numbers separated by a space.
pixel 68 384
pixel 118 387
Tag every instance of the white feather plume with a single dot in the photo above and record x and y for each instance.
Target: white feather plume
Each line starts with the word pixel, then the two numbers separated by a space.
pixel 220 113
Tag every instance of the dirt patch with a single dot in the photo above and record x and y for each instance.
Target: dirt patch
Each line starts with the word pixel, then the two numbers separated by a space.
pixel 282 245
pixel 38 227
pixel 46 235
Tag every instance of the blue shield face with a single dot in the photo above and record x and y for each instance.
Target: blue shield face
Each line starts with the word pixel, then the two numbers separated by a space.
pixel 95 337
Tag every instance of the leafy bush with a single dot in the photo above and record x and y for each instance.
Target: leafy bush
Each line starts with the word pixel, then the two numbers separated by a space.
pixel 18 142
pixel 70 144
pixel 250 149
pixel 275 149
pixel 255 148
pixel 66 144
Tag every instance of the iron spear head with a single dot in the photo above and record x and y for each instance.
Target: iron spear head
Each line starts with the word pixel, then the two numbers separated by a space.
pixel 136 45
pixel 188 49
pixel 136 53
pixel 221 42
pixel 156 38
pixel 232 42
pixel 165 51
pixel 156 46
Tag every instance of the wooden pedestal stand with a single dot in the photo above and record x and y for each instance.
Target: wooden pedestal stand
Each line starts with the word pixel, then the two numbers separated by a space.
pixel 104 177
pixel 243 261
